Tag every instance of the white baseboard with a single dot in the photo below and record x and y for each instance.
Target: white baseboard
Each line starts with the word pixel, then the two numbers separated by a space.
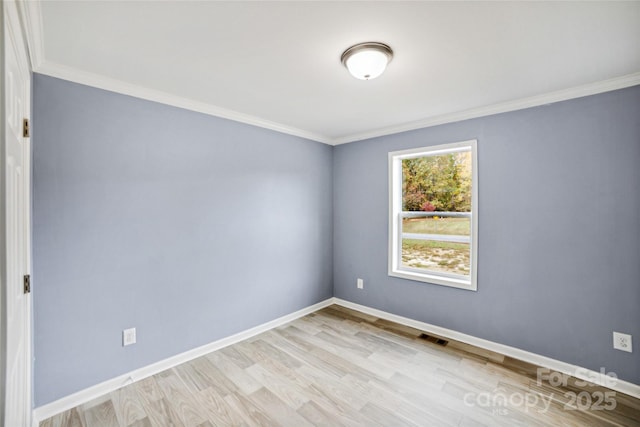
pixel 83 396
pixel 88 394
pixel 536 359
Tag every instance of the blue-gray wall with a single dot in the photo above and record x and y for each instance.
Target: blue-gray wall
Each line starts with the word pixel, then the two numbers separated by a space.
pixel 559 230
pixel 188 227
pixel 191 228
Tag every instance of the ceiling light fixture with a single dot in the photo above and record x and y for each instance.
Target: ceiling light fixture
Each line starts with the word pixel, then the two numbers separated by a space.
pixel 366 61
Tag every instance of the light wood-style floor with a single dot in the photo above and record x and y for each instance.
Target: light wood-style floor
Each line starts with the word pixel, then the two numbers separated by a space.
pixel 339 367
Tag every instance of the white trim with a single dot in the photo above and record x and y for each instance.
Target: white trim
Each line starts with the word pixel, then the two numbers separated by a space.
pixel 113 85
pixel 32 18
pixel 43 412
pixel 536 359
pixel 395 268
pixel 433 279
pixel 433 150
pixel 95 80
pixel 71 401
pixel 502 107
pixel 31 14
pixel 17 45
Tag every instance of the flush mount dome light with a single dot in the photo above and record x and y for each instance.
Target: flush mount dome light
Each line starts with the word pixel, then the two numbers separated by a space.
pixel 366 61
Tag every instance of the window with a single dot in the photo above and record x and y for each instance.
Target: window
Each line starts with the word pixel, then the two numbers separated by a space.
pixel 433 216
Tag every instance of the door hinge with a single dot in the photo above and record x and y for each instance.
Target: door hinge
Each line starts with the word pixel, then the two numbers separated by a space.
pixel 25 128
pixel 26 281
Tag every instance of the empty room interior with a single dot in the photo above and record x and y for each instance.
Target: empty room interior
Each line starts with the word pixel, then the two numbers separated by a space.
pixel 320 213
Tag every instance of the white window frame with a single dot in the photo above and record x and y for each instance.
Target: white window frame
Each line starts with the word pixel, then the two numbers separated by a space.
pixel 396 269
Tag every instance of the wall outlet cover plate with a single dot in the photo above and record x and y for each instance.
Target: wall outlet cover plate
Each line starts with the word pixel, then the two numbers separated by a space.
pixel 622 342
pixel 128 336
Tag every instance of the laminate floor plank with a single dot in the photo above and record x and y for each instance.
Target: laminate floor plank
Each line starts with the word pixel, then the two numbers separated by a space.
pixel 251 414
pixel 477 384
pixel 324 399
pixel 414 407
pixel 429 397
pixel 95 402
pixel 492 372
pixel 237 375
pixel 490 413
pixel 274 368
pixel 533 405
pixel 426 374
pixel 336 388
pixel 348 313
pixel 338 367
pixel 272 353
pixel 309 326
pixel 371 367
pixel 358 357
pixel 343 345
pixel 147 389
pixel 183 406
pixel 279 385
pixel 317 416
pixel 308 358
pixel 161 414
pixel 476 352
pixel 305 349
pixel 349 351
pixel 70 418
pixel 102 415
pixel 397 328
pixel 387 400
pixel 144 422
pixel 382 333
pixel 331 354
pixel 378 343
pixel 237 357
pixel 220 412
pixel 468 422
pixel 385 417
pixel 127 406
pixel 328 322
pixel 201 374
pixel 280 411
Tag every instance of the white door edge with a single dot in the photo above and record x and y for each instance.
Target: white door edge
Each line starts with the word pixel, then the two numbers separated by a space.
pixel 15 203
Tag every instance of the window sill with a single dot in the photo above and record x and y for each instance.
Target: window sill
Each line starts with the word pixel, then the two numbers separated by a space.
pixel 469 285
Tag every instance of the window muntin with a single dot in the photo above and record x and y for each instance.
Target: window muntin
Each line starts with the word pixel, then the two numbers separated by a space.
pixel 433 214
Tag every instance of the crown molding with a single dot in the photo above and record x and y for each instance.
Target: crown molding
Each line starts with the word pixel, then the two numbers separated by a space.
pixel 31 17
pixel 119 86
pixel 503 107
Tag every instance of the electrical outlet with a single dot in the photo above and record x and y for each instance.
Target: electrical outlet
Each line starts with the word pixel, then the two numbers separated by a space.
pixel 360 284
pixel 622 342
pixel 128 336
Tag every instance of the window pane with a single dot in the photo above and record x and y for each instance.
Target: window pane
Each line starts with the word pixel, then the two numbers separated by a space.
pixel 436 217
pixel 434 255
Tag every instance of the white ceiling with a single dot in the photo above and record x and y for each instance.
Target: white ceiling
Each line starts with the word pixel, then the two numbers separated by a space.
pixel 277 64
